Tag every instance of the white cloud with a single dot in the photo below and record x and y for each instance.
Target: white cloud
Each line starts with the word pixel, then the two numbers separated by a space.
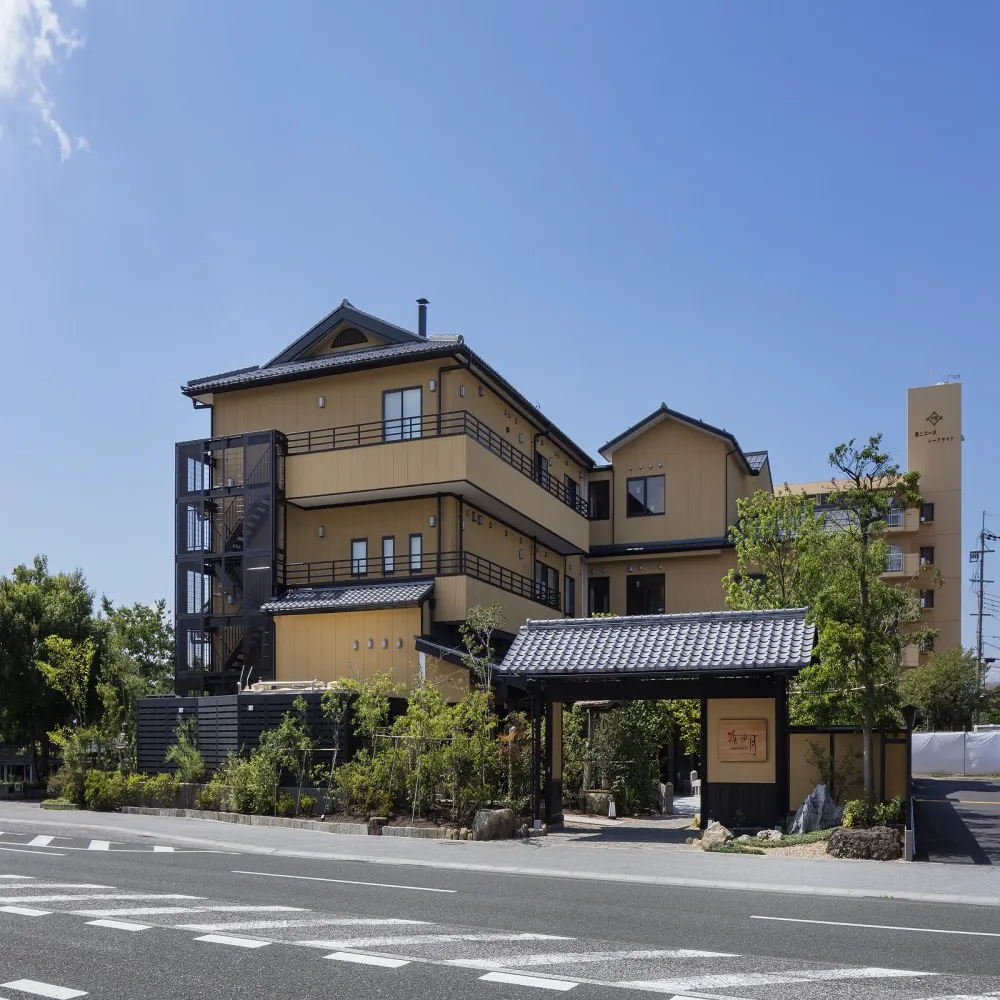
pixel 33 42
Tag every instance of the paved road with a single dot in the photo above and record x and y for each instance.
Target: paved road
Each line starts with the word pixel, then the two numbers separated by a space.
pixel 122 920
pixel 958 820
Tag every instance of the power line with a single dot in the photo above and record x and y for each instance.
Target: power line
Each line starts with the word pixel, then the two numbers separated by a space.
pixel 987 606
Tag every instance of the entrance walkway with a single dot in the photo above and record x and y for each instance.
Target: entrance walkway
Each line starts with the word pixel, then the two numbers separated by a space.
pixel 674 828
pixel 958 820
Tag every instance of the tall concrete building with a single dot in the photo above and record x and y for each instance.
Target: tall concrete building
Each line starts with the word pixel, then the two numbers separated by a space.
pixel 931 535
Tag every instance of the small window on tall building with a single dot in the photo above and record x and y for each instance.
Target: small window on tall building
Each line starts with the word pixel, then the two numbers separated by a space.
pixel 927 645
pixel 401 414
pixel 894 559
pixel 542 471
pixel 895 516
pixel 927 598
pixel 599 595
pixel 926 513
pixel 645 495
pixel 389 554
pixel 926 555
pixel 599 500
pixel 416 553
pixel 547 582
pixel 569 605
pixel 645 595
pixel 572 489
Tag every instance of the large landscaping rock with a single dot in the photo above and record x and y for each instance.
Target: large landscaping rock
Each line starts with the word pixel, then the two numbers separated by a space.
pixel 819 811
pixel 880 843
pixel 597 803
pixel 493 824
pixel 715 836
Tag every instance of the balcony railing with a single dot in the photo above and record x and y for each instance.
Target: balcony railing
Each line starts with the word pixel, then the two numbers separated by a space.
pixel 401 567
pixel 434 425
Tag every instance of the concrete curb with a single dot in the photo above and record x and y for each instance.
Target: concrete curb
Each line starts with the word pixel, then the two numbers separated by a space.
pixel 243 819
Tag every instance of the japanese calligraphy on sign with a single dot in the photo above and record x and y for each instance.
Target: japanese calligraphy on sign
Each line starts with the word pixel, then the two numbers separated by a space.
pixel 742 739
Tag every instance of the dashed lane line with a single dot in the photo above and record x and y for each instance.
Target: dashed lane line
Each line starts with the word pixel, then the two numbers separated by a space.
pixel 385 963
pixel 877 927
pixel 163 911
pixel 368 943
pixel 235 942
pixel 72 898
pixel 99 845
pixel 42 840
pixel 25 911
pixel 268 925
pixel 34 886
pixel 562 985
pixel 43 989
pixel 162 849
pixel 585 957
pixel 118 925
pixel 346 881
pixel 25 877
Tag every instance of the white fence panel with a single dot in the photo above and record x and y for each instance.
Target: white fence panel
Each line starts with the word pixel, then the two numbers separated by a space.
pixel 956 753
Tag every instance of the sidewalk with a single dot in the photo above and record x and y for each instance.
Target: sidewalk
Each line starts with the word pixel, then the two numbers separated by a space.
pixel 554 857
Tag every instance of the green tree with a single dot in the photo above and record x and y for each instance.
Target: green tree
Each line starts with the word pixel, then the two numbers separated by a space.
pixel 145 634
pixel 66 669
pixel 36 604
pixel 946 689
pixel 477 633
pixel 335 705
pixel 184 754
pixel 781 545
pixel 861 618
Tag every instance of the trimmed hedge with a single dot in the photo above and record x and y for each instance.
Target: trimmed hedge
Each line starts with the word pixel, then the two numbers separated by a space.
pixel 879 843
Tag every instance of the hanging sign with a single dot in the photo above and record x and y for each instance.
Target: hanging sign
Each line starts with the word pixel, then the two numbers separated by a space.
pixel 742 739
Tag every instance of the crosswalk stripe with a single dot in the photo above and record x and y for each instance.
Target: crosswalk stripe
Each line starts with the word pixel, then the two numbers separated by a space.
pixel 33 886
pixel 158 849
pixel 731 980
pixel 236 942
pixel 385 963
pixel 43 989
pixel 40 841
pixel 99 845
pixel 17 876
pixel 118 925
pixel 545 984
pixel 162 911
pixel 269 925
pixel 583 957
pixel 364 943
pixel 25 911
pixel 93 895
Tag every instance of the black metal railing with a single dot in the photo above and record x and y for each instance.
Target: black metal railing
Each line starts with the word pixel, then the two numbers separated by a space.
pixel 401 567
pixel 435 425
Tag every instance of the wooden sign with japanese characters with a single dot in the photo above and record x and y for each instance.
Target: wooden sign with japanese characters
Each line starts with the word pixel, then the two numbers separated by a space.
pixel 742 739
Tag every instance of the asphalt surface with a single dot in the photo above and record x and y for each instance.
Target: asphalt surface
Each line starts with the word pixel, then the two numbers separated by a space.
pixel 958 820
pixel 307 927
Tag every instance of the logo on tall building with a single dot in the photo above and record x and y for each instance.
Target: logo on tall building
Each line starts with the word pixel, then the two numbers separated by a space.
pixel 935 418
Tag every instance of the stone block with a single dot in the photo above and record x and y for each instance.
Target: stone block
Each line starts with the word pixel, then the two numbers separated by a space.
pixel 493 824
pixel 819 811
pixel 715 836
pixel 880 843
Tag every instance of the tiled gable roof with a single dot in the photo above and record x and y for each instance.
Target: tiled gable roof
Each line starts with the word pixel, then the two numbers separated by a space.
pixel 650 645
pixel 353 598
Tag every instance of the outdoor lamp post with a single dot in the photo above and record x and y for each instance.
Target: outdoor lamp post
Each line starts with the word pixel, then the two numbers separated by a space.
pixel 910 713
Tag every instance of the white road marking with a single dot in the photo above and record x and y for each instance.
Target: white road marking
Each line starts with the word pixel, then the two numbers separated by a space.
pixel 21 850
pixel 32 886
pixel 160 911
pixel 43 989
pixel 234 941
pixel 17 876
pixel 545 984
pixel 99 845
pixel 40 841
pixel 93 895
pixel 157 849
pixel 878 927
pixel 367 943
pixel 268 925
pixel 347 881
pixel 965 996
pixel 728 980
pixel 385 963
pixel 571 958
pixel 118 925
pixel 25 911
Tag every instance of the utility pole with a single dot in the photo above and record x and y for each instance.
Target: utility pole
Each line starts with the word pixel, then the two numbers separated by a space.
pixel 979 579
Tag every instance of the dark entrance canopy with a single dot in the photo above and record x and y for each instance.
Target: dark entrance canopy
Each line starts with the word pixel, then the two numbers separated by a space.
pixel 741 660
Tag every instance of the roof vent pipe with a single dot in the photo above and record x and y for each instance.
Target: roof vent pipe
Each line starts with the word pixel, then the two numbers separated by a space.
pixel 422 318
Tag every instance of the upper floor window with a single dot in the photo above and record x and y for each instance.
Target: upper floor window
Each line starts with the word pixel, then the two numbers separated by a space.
pixel 894 559
pixel 895 516
pixel 599 500
pixel 547 580
pixel 646 495
pixel 645 595
pixel 359 556
pixel 542 470
pixel 401 410
pixel 569 608
pixel 599 601
pixel 416 553
pixel 572 489
pixel 927 512
pixel 388 553
pixel 926 555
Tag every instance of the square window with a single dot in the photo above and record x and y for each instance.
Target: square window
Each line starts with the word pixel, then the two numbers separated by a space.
pixel 646 495
pixel 645 595
pixel 926 512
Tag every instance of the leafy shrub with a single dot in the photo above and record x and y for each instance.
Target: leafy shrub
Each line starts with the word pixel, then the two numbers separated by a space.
pixel 880 843
pixel 184 754
pixel 307 805
pixel 66 785
pixel 206 798
pixel 888 813
pixel 285 806
pixel 365 786
pixel 160 790
pixel 859 814
pixel 104 791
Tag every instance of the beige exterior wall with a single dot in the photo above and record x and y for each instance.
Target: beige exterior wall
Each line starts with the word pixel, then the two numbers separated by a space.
pixel 693 582
pixel 321 646
pixel 694 464
pixel 454 595
pixel 749 772
pixel 602 532
pixel 803 777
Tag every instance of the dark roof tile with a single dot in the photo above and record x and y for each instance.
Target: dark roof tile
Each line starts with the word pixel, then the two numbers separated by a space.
pixel 352 598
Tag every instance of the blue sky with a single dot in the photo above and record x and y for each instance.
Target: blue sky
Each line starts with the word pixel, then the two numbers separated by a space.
pixel 773 216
